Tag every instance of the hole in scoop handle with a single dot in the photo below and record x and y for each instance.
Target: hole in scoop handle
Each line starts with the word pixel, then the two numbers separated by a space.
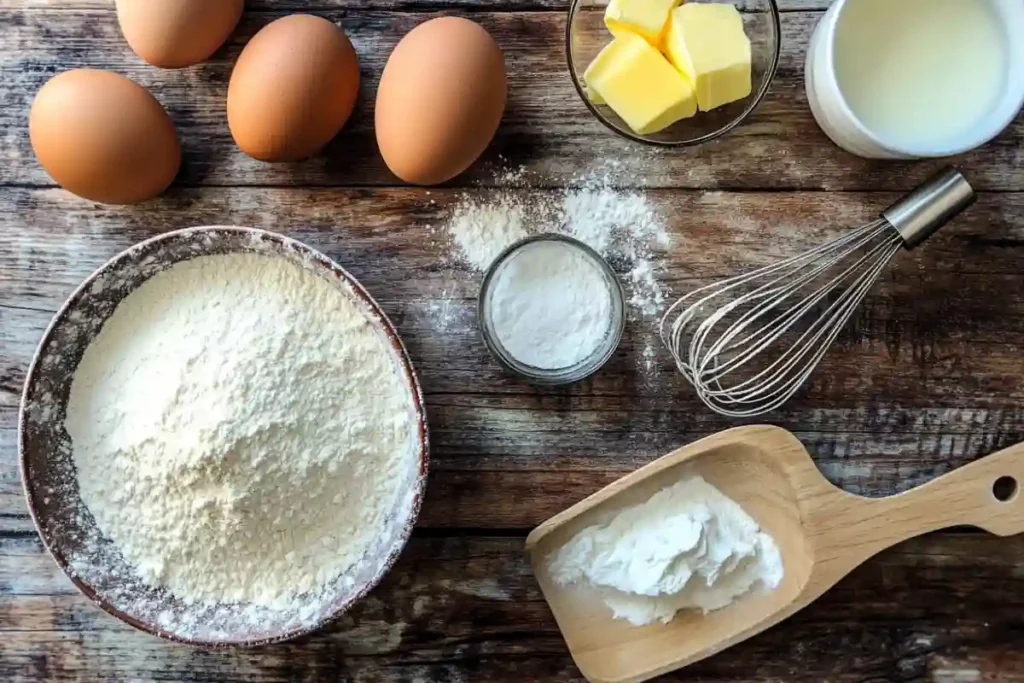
pixel 934 203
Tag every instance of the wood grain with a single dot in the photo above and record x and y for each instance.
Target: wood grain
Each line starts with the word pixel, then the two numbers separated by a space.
pixel 957 346
pixel 926 379
pixel 928 319
pixel 546 128
pixel 942 608
pixel 328 5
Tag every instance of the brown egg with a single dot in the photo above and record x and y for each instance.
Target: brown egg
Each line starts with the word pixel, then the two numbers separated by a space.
pixel 177 33
pixel 293 88
pixel 440 100
pixel 103 137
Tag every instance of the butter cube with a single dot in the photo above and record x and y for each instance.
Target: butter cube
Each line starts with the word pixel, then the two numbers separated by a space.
pixel 639 84
pixel 706 42
pixel 646 18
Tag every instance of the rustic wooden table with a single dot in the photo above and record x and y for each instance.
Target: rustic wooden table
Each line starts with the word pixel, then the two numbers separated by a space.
pixel 927 378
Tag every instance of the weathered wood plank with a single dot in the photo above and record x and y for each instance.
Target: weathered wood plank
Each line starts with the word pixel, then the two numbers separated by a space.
pixel 926 379
pixel 481 479
pixel 467 609
pixel 943 324
pixel 328 5
pixel 484 467
pixel 546 127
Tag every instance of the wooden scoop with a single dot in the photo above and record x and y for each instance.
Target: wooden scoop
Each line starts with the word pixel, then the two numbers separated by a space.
pixel 822 532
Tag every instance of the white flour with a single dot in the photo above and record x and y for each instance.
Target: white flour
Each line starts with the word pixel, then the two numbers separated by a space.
pixel 482 231
pixel 621 226
pixel 550 305
pixel 241 432
pixel 689 546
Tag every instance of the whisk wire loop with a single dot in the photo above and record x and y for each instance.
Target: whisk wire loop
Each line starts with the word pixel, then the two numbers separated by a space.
pixel 717 332
pixel 783 377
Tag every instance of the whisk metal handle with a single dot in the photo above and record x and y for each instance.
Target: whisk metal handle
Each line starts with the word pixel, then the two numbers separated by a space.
pixel 934 203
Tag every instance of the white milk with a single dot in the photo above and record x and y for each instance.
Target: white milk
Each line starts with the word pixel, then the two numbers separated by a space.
pixel 920 72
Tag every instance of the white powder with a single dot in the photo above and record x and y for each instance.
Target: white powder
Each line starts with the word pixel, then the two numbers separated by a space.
pixel 242 433
pixel 482 231
pixel 550 305
pixel 611 220
pixel 623 226
pixel 688 547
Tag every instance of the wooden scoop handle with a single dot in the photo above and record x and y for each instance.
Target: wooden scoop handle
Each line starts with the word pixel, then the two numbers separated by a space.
pixel 848 529
pixel 988 494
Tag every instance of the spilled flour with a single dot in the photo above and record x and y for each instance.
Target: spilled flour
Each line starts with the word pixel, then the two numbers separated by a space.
pixel 624 226
pixel 242 433
pixel 481 231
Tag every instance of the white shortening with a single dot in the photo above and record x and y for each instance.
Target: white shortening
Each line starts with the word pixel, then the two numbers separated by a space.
pixel 688 547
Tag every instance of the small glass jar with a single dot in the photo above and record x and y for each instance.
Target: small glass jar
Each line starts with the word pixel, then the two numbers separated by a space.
pixel 564 375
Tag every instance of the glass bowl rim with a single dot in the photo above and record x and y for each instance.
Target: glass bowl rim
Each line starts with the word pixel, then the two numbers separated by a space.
pixel 762 92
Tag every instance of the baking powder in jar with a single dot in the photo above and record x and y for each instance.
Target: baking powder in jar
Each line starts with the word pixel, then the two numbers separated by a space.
pixel 550 304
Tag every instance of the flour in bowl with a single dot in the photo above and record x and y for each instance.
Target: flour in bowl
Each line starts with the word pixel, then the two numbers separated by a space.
pixel 242 432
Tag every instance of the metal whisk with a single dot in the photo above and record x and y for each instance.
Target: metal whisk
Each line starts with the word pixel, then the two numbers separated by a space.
pixel 748 343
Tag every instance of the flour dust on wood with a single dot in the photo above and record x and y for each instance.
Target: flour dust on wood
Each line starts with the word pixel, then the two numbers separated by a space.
pixel 623 226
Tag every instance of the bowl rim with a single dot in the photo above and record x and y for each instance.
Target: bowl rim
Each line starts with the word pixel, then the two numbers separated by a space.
pixel 762 91
pixel 327 266
pixel 560 376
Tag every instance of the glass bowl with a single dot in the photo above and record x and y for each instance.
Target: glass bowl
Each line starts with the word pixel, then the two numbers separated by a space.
pixel 586 35
pixel 556 376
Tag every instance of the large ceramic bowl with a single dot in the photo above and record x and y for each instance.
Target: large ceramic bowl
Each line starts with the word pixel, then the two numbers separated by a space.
pixel 69 530
pixel 586 35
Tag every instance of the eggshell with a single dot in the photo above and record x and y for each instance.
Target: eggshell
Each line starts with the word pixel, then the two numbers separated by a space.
pixel 293 88
pixel 440 100
pixel 103 137
pixel 177 33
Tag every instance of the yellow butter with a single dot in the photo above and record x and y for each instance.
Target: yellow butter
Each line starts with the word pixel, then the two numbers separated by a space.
pixel 706 42
pixel 646 18
pixel 640 85
pixel 593 95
